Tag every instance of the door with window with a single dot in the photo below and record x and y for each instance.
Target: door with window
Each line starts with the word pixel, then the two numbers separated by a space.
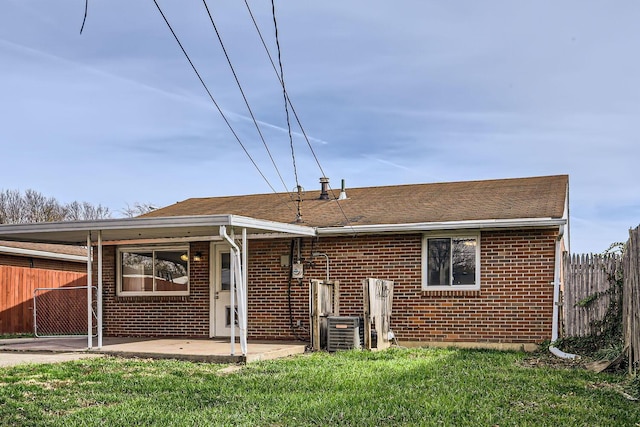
pixel 221 292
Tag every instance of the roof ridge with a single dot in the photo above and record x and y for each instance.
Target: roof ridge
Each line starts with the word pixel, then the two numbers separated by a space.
pixel 489 180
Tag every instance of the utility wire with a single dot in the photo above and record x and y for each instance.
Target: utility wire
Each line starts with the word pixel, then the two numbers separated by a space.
pixel 86 8
pixel 246 102
pixel 273 65
pixel 284 91
pixel 286 109
pixel 295 114
pixel 195 70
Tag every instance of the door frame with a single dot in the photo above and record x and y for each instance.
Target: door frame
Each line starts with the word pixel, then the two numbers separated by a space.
pixel 215 304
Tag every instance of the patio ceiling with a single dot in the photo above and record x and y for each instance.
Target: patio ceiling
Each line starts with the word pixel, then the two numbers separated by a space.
pixel 75 232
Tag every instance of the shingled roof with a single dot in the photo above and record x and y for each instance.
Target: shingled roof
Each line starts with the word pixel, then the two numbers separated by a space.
pixel 501 199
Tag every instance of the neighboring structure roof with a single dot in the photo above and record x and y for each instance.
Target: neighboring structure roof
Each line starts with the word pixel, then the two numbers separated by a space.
pixel 502 199
pixel 44 250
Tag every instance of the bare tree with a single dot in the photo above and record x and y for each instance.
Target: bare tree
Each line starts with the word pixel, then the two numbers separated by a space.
pixel 138 209
pixel 11 207
pixel 75 211
pixel 39 208
pixel 32 206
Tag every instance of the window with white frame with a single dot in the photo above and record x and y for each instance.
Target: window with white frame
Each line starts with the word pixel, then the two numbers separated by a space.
pixel 451 262
pixel 153 270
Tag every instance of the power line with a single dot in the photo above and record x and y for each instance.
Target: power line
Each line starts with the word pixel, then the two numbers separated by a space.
pixel 284 90
pixel 195 70
pixel 288 100
pixel 246 101
pixel 286 109
pixel 273 65
pixel 86 8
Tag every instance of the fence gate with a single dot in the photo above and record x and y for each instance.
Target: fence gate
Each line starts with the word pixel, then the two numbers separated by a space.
pixel 62 312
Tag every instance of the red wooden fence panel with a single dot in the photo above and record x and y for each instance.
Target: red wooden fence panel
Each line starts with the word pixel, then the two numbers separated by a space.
pixel 17 285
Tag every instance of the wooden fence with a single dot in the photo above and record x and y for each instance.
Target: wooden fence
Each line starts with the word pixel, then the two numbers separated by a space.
pixel 587 291
pixel 17 285
pixel 631 299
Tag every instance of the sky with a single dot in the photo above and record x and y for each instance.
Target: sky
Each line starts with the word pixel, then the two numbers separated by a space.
pixel 388 93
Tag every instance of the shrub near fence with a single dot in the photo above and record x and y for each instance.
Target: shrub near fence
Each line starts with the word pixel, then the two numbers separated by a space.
pixel 631 299
pixel 589 286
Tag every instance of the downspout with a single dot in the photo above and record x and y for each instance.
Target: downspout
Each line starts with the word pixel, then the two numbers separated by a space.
pixel 242 321
pixel 556 300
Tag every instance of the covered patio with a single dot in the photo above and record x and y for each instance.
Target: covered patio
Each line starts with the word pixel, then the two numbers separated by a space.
pixel 195 350
pixel 233 230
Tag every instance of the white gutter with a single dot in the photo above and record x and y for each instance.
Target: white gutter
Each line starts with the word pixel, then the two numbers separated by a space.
pixel 556 300
pixel 447 225
pixel 116 229
pixel 272 226
pixel 42 254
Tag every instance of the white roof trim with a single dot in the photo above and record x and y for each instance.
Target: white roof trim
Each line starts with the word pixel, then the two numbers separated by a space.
pixel 448 225
pixel 145 228
pixel 272 226
pixel 160 222
pixel 41 254
pixel 205 227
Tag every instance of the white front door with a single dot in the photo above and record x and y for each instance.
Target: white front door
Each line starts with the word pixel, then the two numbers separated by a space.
pixel 220 284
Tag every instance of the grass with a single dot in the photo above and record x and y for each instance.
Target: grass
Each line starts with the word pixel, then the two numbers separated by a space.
pixel 426 387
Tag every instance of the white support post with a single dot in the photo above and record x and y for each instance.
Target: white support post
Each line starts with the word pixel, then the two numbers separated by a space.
pixel 89 310
pixel 99 302
pixel 245 283
pixel 234 292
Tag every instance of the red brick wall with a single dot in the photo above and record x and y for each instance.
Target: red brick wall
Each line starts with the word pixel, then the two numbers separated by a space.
pixel 184 316
pixel 513 305
pixel 45 264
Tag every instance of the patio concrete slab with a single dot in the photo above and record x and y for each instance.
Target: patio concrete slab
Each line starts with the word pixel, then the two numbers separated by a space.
pixel 19 358
pixel 197 350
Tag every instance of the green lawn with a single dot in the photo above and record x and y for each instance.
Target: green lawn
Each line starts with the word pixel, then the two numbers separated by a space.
pixel 396 387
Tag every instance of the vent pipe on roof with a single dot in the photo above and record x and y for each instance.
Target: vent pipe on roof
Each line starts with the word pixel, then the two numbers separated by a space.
pixel 343 192
pixel 324 188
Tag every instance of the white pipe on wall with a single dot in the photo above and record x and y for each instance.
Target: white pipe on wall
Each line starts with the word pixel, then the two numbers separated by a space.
pixel 326 257
pixel 556 300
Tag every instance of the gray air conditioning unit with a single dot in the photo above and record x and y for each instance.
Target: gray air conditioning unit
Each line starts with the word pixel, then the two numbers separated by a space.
pixel 343 333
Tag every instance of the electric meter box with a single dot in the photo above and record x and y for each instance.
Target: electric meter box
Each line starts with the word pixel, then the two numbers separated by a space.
pixel 297 271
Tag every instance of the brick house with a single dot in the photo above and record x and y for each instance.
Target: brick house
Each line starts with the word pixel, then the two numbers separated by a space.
pixel 474 263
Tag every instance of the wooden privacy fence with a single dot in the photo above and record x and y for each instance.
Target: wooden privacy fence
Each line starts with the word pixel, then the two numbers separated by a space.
pixel 17 286
pixel 588 289
pixel 631 298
